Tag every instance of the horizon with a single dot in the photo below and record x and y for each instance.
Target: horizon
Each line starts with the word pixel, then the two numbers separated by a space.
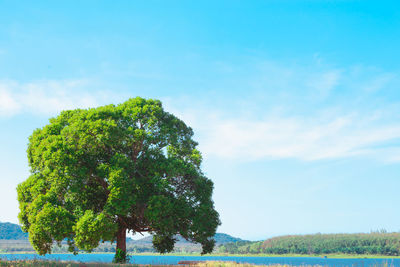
pixel 146 236
pixel 295 104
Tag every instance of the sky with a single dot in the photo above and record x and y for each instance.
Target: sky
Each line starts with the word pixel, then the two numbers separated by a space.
pixel 295 104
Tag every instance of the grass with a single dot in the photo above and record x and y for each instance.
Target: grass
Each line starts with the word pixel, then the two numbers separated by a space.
pixel 337 256
pixel 41 263
pixel 234 264
pixel 37 263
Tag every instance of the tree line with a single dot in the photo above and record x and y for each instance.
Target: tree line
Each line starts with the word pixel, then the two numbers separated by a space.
pixel 372 243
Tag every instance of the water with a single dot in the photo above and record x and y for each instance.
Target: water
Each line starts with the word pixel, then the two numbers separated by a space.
pixel 166 260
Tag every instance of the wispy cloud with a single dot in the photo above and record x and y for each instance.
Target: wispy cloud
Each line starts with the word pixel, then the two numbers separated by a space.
pixel 300 113
pixel 297 137
pixel 8 103
pixel 309 114
pixel 323 83
pixel 48 97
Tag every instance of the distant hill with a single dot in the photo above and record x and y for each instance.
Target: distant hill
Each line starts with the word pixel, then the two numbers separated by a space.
pixel 11 231
pixel 220 239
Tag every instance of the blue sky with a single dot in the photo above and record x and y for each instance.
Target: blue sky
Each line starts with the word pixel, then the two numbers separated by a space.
pixel 295 104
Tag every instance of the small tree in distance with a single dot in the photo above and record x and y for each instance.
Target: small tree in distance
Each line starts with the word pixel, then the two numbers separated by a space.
pixel 98 173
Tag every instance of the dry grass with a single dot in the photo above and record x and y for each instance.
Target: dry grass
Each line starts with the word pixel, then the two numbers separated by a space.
pixel 234 264
pixel 41 263
pixel 44 263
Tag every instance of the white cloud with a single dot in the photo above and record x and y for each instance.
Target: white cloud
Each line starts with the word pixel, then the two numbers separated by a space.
pixel 298 126
pixel 48 97
pixel 379 82
pixel 8 105
pixel 324 83
pixel 304 138
pixel 301 113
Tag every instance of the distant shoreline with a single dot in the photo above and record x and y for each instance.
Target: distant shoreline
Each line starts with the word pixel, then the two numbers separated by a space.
pixel 335 256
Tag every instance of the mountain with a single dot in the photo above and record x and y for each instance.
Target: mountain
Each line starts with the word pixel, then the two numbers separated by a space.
pixel 220 239
pixel 11 231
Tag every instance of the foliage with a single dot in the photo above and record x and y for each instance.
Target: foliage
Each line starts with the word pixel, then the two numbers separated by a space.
pixel 105 170
pixel 121 256
pixel 373 243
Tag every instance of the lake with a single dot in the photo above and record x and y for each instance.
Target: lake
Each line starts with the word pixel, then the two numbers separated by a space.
pixel 166 260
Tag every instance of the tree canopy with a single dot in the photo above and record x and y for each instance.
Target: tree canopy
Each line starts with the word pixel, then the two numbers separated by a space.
pixel 97 173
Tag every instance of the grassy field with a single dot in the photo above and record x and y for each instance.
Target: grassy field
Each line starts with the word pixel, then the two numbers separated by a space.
pixel 337 256
pixel 37 263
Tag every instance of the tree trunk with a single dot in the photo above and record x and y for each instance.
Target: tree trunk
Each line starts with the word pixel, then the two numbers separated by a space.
pixel 121 238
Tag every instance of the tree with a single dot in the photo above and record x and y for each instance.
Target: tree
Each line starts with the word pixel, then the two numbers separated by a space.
pixel 98 173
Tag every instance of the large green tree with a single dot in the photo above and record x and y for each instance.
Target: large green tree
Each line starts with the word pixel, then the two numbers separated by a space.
pixel 98 173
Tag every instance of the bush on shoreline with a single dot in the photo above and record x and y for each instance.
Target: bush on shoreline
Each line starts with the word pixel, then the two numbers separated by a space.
pixel 353 244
